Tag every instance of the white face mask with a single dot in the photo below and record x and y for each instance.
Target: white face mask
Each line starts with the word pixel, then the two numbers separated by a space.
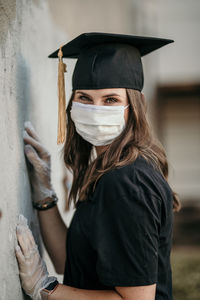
pixel 98 124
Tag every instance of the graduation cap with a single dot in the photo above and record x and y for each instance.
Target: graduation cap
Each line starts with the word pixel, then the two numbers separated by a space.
pixel 105 60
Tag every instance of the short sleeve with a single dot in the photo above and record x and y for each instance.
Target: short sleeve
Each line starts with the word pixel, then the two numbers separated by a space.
pixel 125 224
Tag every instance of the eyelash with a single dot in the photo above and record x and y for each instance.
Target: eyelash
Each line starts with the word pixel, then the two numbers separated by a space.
pixel 115 100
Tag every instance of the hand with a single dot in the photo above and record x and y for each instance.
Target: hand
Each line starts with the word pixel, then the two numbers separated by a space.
pixel 32 268
pixel 40 159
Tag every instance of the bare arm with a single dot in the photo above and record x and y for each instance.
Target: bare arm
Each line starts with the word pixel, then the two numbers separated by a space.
pixel 52 227
pixel 65 292
pixel 54 232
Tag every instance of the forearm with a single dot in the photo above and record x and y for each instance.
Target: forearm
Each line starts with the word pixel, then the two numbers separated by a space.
pixel 54 231
pixel 65 292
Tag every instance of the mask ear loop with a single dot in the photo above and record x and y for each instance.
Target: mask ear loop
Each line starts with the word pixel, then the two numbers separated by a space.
pixel 126 106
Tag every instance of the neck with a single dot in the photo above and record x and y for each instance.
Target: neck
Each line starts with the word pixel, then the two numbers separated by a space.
pixel 100 149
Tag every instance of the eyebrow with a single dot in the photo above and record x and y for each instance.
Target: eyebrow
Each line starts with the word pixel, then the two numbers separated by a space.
pixel 109 95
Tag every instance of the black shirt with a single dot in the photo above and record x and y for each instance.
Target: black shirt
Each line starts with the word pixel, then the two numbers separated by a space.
pixel 121 235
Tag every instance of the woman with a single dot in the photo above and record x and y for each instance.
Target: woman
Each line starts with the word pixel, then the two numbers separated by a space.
pixel 119 240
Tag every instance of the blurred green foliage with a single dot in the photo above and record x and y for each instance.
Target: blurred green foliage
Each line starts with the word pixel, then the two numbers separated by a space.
pixel 186 274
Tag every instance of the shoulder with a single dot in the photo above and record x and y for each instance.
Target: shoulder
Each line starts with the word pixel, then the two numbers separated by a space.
pixel 140 165
pixel 140 176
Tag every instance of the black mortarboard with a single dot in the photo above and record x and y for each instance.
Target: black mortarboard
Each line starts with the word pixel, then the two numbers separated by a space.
pixel 107 60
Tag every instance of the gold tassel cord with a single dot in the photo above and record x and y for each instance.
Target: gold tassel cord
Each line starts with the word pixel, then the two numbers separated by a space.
pixel 61 134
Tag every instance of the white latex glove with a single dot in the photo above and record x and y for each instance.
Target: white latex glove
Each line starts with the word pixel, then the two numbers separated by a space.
pixel 40 159
pixel 32 268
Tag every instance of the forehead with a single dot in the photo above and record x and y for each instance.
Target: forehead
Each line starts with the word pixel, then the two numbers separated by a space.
pixel 103 92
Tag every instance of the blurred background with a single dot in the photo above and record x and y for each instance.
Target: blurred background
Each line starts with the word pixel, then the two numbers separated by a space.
pixel 29 32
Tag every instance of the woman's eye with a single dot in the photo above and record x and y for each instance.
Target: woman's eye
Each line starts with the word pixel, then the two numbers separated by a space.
pixel 110 100
pixel 84 98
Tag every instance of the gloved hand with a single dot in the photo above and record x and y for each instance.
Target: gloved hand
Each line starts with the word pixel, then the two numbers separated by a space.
pixel 32 268
pixel 40 159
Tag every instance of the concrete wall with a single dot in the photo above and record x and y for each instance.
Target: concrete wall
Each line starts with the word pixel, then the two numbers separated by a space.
pixel 27 92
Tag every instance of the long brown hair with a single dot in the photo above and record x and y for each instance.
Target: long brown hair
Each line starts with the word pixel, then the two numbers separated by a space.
pixel 136 139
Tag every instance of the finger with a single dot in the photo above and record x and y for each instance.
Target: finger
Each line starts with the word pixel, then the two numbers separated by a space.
pixel 19 255
pixel 24 230
pixel 32 243
pixel 23 234
pixel 29 239
pixel 24 244
pixel 32 155
pixel 22 220
pixel 37 145
pixel 31 131
pixel 27 248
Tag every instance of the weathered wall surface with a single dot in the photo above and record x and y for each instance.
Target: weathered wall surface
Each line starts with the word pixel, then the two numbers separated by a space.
pixel 27 92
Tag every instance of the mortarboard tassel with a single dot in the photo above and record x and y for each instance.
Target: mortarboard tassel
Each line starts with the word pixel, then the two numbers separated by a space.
pixel 61 135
